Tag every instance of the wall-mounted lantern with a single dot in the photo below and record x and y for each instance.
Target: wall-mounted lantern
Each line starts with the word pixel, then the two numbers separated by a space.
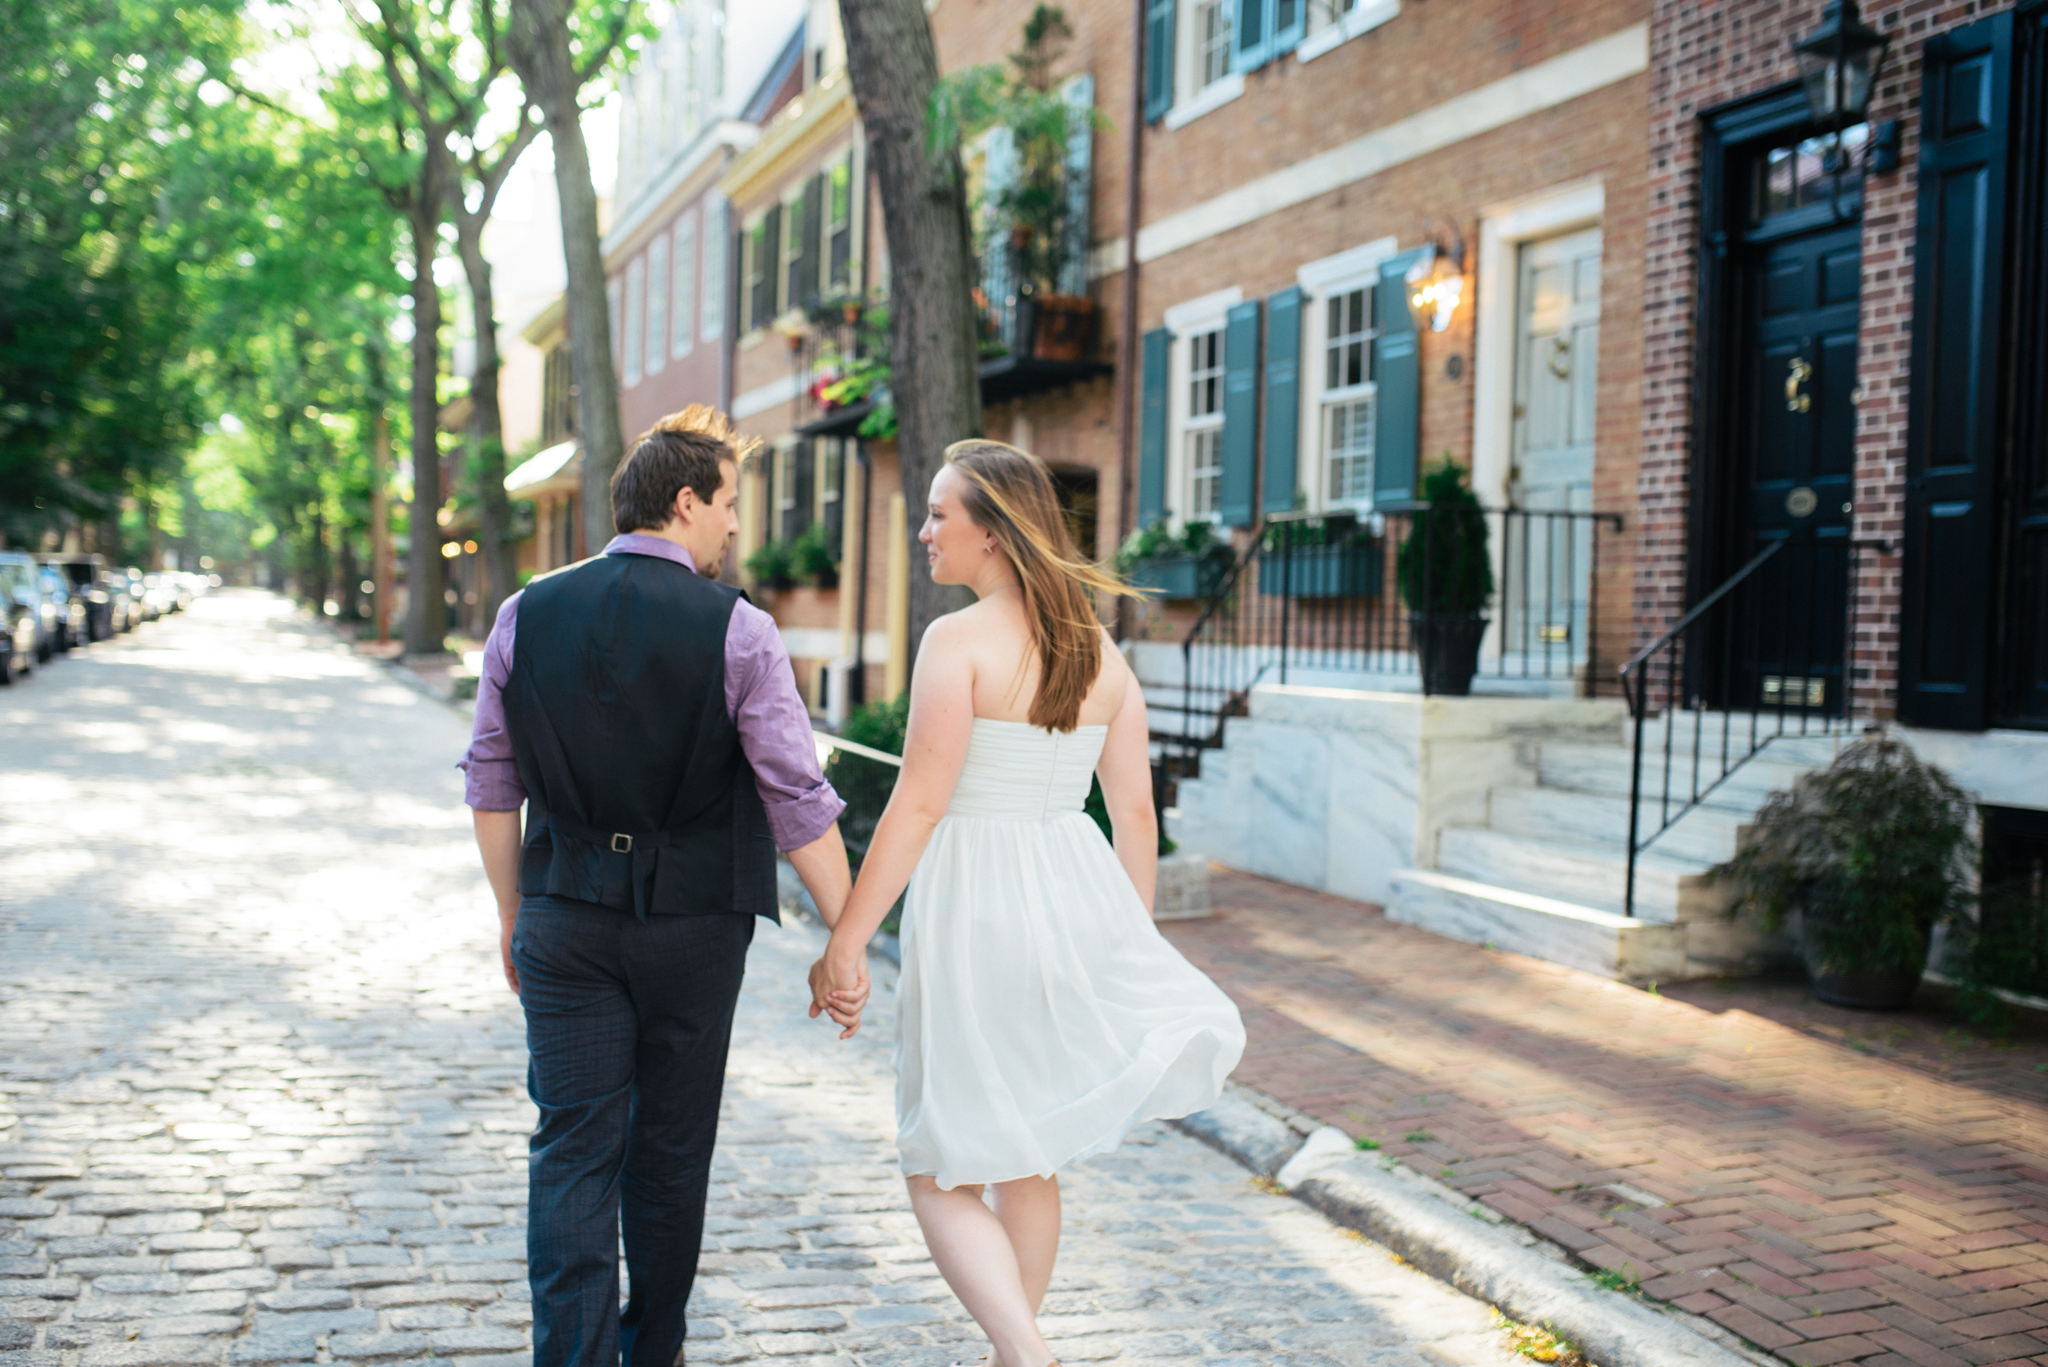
pixel 1436 282
pixel 1839 64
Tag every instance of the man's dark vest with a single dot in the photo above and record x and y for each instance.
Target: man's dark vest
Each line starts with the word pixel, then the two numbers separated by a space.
pixel 639 795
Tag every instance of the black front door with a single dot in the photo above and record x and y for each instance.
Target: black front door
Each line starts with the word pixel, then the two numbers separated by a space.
pixel 1793 456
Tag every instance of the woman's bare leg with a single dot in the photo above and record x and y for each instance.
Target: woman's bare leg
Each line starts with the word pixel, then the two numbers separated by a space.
pixel 1030 1211
pixel 974 1255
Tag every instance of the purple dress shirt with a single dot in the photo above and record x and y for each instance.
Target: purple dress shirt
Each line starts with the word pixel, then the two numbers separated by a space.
pixel 760 693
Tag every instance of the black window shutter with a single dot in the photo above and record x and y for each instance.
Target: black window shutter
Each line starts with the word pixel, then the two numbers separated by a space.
pixel 804 289
pixel 1283 398
pixel 1397 405
pixel 1240 415
pixel 1152 428
pixel 1952 415
pixel 1159 57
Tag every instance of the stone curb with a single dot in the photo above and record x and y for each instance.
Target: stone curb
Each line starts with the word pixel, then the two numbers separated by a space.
pixel 1457 1240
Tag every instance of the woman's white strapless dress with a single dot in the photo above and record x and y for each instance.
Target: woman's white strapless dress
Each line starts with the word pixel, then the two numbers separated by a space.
pixel 1041 1016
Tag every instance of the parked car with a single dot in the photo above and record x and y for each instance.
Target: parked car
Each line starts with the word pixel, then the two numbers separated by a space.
pixel 25 572
pixel 145 605
pixel 66 607
pixel 86 575
pixel 127 614
pixel 168 590
pixel 20 616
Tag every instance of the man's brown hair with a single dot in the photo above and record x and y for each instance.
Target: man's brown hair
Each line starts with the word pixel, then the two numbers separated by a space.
pixel 683 450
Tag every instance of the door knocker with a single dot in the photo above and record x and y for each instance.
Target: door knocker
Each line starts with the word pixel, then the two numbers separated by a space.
pixel 1801 502
pixel 1560 364
pixel 1796 375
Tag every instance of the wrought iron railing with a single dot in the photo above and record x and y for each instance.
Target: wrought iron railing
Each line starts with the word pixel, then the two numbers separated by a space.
pixel 1320 598
pixel 1768 655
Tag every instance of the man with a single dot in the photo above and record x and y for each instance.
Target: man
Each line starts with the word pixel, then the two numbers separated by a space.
pixel 649 719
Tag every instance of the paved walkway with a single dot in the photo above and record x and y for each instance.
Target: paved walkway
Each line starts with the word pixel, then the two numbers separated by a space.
pixel 261 1086
pixel 1835 1186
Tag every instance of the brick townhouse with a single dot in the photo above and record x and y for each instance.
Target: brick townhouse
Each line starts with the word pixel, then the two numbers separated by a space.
pixel 1605 257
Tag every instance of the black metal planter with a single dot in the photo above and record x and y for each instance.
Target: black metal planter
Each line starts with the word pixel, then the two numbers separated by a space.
pixel 1861 989
pixel 1447 644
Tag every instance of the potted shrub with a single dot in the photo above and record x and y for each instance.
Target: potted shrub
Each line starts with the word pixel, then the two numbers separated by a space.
pixel 1029 216
pixel 1447 580
pixel 810 557
pixel 772 565
pixel 1321 557
pixel 1188 565
pixel 1872 853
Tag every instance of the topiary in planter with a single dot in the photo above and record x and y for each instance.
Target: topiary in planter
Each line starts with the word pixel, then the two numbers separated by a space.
pixel 1446 579
pixel 1872 851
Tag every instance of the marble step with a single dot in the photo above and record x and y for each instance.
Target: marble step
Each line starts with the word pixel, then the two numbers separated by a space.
pixel 1542 927
pixel 1600 822
pixel 1788 746
pixel 1605 769
pixel 1571 873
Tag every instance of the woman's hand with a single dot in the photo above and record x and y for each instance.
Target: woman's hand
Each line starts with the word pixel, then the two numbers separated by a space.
pixel 839 988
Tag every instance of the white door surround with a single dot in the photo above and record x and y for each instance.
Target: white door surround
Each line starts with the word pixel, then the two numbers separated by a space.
pixel 1502 230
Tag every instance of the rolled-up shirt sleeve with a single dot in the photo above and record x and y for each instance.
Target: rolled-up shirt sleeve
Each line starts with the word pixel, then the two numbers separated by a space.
pixel 775 730
pixel 491 773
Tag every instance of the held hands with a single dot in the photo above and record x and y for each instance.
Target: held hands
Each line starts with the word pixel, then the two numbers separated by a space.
pixel 839 988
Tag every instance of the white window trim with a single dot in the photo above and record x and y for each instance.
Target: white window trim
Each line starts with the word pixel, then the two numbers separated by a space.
pixel 1502 230
pixel 615 295
pixel 1361 21
pixel 1354 268
pixel 1198 99
pixel 1205 313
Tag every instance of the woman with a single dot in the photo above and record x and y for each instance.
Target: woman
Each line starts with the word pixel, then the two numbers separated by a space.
pixel 1041 1015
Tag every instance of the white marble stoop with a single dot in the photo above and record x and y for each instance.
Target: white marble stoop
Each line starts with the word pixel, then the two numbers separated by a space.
pixel 1546 874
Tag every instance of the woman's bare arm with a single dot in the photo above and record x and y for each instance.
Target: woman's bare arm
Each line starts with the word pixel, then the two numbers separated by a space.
pixel 934 749
pixel 1126 773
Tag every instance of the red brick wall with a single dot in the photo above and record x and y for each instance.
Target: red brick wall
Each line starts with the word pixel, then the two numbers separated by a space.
pixel 1704 53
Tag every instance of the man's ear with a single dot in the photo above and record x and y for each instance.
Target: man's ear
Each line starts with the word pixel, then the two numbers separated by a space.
pixel 685 507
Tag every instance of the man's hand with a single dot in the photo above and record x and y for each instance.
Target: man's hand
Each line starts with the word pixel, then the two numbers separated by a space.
pixel 506 921
pixel 840 990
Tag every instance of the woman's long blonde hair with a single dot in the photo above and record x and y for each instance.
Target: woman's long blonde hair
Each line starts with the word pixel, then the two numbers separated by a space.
pixel 1009 494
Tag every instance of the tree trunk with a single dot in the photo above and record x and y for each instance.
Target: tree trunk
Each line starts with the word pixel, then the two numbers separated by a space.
pixel 539 43
pixel 894 66
pixel 487 427
pixel 425 612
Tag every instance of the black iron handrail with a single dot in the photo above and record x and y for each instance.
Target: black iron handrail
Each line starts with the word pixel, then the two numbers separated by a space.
pixel 1793 700
pixel 1327 599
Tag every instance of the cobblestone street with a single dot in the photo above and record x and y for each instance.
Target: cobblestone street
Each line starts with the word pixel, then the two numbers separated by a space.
pixel 261 1085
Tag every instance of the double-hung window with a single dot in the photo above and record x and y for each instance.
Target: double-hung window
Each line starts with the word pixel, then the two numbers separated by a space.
pixel 657 304
pixel 839 224
pixel 795 289
pixel 1350 322
pixel 682 319
pixel 1202 434
pixel 711 321
pixel 1212 41
pixel 636 304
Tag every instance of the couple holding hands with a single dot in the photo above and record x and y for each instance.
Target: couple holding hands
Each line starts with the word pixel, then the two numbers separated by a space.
pixel 650 721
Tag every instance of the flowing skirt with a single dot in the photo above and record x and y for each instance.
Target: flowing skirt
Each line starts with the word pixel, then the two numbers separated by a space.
pixel 1042 1016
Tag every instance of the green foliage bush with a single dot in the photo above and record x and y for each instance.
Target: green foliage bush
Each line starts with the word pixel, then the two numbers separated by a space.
pixel 1443 566
pixel 1877 843
pixel 1197 540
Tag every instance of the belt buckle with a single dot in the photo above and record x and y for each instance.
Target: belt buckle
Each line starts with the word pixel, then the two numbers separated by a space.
pixel 622 848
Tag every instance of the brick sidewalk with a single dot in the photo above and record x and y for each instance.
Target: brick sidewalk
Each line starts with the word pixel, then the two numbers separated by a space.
pixel 1834 1186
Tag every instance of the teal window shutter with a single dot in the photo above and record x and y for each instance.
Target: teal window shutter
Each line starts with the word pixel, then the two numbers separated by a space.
pixel 1238 483
pixel 1283 398
pixel 1290 22
pixel 1397 410
pixel 1159 57
pixel 1251 34
pixel 1158 348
